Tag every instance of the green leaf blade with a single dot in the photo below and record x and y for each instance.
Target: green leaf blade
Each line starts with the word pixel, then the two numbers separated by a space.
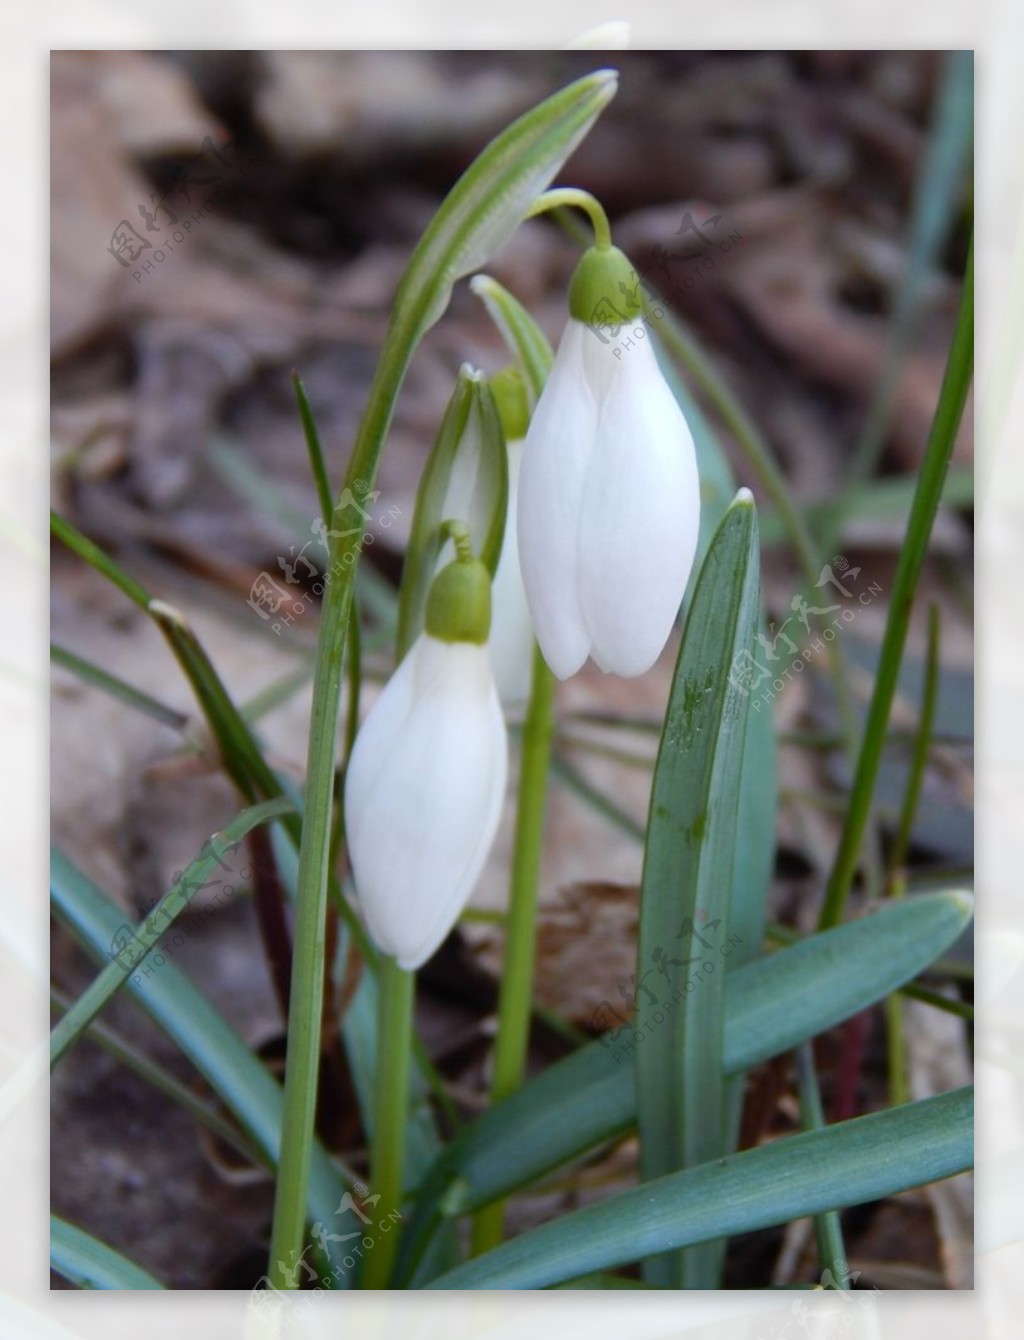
pixel 687 876
pixel 855 1161
pixel 84 1260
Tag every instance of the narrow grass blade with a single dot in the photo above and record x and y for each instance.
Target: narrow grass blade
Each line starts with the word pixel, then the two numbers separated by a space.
pixel 247 1089
pixel 851 1163
pixel 920 752
pixel 91 1264
pixel 771 1005
pixel 102 679
pixel 688 874
pixel 130 947
pixel 927 497
pixel 317 464
pixel 899 1091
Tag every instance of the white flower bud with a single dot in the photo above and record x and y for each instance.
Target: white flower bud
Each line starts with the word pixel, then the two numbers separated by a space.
pixel 423 795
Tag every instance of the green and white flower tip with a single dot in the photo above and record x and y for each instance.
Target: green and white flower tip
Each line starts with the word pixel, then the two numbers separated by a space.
pixel 511 626
pixel 426 779
pixel 609 498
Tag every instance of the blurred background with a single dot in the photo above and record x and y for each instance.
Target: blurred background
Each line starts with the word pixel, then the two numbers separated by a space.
pixel 220 219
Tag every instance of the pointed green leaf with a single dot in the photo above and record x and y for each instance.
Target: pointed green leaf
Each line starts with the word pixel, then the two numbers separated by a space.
pixel 494 194
pixel 91 1264
pixel 855 1161
pixel 687 876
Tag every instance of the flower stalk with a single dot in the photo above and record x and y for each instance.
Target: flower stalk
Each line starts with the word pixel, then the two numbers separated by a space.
pixel 516 994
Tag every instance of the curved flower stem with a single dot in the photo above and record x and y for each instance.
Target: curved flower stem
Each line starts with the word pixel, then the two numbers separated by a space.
pixel 514 1002
pixel 592 207
pixel 397 990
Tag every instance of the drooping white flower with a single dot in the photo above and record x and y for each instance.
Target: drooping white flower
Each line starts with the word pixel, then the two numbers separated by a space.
pixel 609 498
pixel 426 778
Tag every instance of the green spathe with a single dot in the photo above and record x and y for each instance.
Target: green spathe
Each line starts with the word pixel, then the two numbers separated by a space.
pixel 604 280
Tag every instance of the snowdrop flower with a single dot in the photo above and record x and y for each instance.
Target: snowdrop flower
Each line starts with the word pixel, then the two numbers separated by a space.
pixel 511 639
pixel 609 502
pixel 426 779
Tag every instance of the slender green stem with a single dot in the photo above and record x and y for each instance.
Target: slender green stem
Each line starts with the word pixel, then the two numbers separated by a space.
pixel 941 441
pixel 304 1013
pixel 515 998
pixel 827 1228
pixel 397 990
pixel 895 885
pixel 919 757
pixel 354 652
pixel 570 195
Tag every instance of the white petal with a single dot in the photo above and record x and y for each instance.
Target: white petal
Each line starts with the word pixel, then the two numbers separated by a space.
pixel 511 639
pixel 556 457
pixel 423 796
pixel 640 518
